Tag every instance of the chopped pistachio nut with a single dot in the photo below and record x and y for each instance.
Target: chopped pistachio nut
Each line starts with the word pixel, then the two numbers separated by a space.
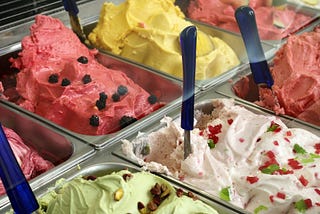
pixel 145 150
pixel 118 194
pixel 225 194
pixel 260 208
pixel 301 205
pixel 165 193
pixel 270 169
pixel 211 144
pixel 298 149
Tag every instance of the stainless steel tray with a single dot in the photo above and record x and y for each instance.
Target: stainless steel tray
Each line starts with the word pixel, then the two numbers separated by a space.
pixel 62 150
pixel 312 12
pixel 168 90
pixel 202 101
pixel 103 164
pixel 232 39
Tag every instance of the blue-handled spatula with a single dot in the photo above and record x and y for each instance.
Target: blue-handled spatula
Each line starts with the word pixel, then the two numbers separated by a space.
pixel 17 187
pixel 188 41
pixel 71 7
pixel 245 17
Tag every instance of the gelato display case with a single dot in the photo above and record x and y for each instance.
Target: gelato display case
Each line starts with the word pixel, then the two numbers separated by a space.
pixel 245 158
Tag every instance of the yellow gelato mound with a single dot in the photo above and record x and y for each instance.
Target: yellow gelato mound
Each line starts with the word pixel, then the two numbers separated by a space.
pixel 147 31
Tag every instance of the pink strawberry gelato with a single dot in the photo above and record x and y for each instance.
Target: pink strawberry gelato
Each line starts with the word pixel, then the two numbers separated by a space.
pixel 61 80
pixel 273 23
pixel 296 74
pixel 31 163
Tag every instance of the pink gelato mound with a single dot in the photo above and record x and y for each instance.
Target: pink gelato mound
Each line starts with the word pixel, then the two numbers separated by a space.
pixel 296 74
pixel 31 163
pixel 61 80
pixel 273 23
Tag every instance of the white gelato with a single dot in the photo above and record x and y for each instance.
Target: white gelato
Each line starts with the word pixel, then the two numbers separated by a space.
pixel 257 162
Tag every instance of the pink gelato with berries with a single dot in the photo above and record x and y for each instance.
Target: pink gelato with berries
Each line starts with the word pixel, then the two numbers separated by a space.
pixel 250 160
pixel 61 80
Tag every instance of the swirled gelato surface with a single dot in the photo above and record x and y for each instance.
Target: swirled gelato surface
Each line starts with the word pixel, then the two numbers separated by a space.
pixel 100 196
pixel 253 161
pixel 147 31
pixel 274 23
pixel 31 163
pixel 61 80
pixel 296 73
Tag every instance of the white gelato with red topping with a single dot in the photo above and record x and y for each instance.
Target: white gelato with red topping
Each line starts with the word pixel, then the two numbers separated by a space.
pixel 253 161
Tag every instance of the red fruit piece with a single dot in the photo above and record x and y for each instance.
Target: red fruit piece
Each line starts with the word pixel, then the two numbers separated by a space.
pixel 281 195
pixel 303 180
pixel 308 203
pixel 252 179
pixel 294 164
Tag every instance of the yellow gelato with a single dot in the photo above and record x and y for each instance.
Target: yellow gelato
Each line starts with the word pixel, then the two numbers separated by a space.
pixel 147 31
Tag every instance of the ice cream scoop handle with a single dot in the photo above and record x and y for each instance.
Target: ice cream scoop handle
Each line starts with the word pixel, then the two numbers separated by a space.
pixel 18 190
pixel 188 40
pixel 71 6
pixel 245 17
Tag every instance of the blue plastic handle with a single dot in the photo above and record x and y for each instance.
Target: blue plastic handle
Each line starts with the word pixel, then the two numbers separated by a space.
pixel 71 6
pixel 17 187
pixel 259 67
pixel 188 42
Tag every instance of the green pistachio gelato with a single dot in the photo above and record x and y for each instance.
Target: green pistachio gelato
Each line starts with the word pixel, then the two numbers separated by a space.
pixel 119 192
